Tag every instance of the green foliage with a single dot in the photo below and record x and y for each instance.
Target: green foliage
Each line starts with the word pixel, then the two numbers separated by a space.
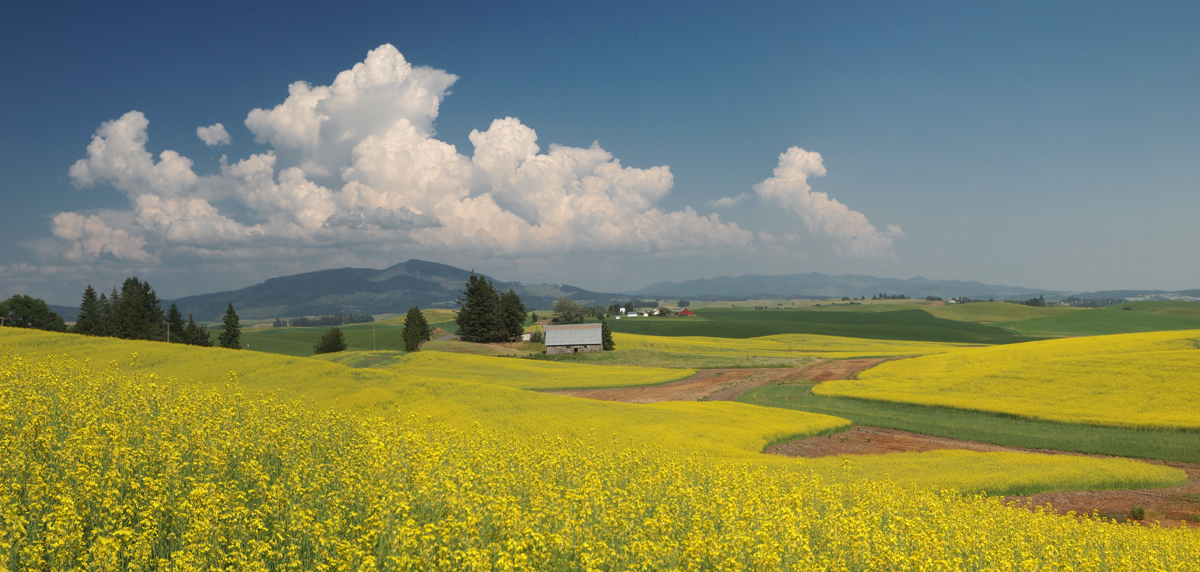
pixel 569 311
pixel 175 322
pixel 416 329
pixel 512 315
pixel 606 337
pixel 194 335
pixel 332 341
pixel 88 321
pixel 478 319
pixel 231 332
pixel 683 303
pixel 909 325
pixel 1138 512
pixel 138 315
pixel 22 311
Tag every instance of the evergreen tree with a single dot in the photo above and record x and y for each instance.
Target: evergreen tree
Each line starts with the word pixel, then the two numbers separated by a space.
pixel 88 322
pixel 21 311
pixel 174 323
pixel 416 329
pixel 139 315
pixel 108 313
pixel 606 337
pixel 331 341
pixel 512 315
pixel 231 332
pixel 478 319
pixel 196 335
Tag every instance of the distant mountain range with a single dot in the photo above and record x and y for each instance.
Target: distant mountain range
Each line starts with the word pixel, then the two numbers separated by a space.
pixel 368 291
pixel 431 285
pixel 817 285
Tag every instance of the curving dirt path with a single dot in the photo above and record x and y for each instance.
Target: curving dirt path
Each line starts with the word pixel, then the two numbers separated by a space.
pixel 726 384
pixel 1172 506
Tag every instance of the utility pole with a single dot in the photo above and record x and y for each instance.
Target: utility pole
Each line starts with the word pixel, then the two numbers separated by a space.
pixel 168 331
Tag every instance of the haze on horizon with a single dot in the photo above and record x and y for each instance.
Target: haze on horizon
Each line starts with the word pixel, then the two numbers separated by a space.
pixel 609 147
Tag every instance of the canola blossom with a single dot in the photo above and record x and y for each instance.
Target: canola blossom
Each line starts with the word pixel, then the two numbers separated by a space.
pixel 1146 380
pixel 718 431
pixel 106 470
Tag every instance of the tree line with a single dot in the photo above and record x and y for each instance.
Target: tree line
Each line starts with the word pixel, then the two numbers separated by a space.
pixel 331 320
pixel 135 313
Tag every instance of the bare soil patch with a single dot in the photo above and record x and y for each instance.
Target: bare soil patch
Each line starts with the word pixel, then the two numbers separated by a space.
pixel 1172 506
pixel 727 384
pixel 707 384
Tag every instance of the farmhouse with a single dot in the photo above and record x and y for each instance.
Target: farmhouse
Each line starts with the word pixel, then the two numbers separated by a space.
pixel 573 338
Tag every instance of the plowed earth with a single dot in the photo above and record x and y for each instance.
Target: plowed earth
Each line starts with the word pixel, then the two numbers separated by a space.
pixel 726 384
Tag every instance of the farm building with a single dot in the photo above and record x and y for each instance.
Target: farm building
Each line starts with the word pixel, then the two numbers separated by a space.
pixel 686 312
pixel 573 338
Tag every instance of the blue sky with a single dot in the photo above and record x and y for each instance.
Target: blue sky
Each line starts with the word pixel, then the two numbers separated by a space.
pixel 1050 146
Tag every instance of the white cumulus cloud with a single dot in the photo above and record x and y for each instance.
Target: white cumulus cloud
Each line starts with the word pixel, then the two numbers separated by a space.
pixel 356 165
pixel 213 135
pixel 855 236
pixel 730 202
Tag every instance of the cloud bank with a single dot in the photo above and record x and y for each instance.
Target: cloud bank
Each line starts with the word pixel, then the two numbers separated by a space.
pixel 355 166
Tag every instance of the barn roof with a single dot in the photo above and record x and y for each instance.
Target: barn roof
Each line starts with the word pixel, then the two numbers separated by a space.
pixel 573 335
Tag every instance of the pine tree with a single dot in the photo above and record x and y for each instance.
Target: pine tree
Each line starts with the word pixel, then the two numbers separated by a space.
pixel 331 341
pixel 87 322
pixel 231 332
pixel 478 319
pixel 512 315
pixel 174 323
pixel 195 335
pixel 606 337
pixel 138 315
pixel 416 329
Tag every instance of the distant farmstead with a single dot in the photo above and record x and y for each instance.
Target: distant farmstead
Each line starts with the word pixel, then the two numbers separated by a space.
pixel 574 338
pixel 686 312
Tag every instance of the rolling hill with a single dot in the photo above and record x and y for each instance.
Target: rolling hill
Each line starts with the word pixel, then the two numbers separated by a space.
pixel 365 290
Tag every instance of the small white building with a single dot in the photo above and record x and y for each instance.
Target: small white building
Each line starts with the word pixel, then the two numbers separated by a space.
pixel 574 338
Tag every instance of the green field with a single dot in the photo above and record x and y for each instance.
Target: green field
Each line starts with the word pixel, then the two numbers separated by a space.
pixel 1103 321
pixel 985 427
pixel 989 312
pixel 299 341
pixel 1166 307
pixel 910 325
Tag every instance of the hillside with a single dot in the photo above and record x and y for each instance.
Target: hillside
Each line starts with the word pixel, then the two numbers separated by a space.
pixel 365 290
pixel 817 285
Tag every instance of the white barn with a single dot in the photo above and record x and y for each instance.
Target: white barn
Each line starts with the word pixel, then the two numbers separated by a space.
pixel 574 338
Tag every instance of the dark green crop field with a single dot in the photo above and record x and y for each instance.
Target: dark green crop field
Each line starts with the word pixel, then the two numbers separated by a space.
pixel 1103 321
pixel 911 325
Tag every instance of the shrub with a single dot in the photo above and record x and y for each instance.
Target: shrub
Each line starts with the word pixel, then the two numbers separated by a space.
pixel 330 342
pixel 1137 512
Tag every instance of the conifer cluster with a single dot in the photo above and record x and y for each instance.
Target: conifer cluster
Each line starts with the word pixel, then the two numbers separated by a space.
pixel 487 315
pixel 135 313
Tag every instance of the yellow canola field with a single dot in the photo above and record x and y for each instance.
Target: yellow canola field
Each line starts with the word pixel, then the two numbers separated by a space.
pixel 1144 380
pixel 717 431
pixel 525 374
pixel 831 347
pixel 103 471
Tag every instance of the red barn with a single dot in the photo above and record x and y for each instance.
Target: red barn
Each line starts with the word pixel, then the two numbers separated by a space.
pixel 685 312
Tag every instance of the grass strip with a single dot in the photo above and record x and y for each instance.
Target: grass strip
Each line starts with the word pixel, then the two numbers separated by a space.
pixel 985 427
